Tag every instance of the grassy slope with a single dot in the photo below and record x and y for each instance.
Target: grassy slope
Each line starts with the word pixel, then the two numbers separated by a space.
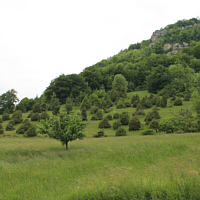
pixel 101 168
pixel 131 167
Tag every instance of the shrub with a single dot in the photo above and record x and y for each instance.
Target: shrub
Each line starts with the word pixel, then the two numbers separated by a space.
pixel 134 124
pixel 166 126
pixel 135 98
pixel 120 132
pixel 135 103
pixel 1 120
pixel 99 134
pixel 84 114
pixel 148 132
pixel 1 130
pixel 127 104
pixel 190 127
pixel 35 117
pixel 187 97
pixel 163 102
pixel 30 115
pixel 104 123
pixel 139 110
pixel 44 115
pixel 37 108
pixel 151 115
pixel 120 104
pixel 31 132
pixel 99 114
pixel 124 118
pixel 94 109
pixel 116 124
pixel 5 116
pixel 154 124
pixel 116 116
pixel 109 116
pixel 10 126
pixel 94 118
pixel 24 127
pixel 17 117
pixel 178 102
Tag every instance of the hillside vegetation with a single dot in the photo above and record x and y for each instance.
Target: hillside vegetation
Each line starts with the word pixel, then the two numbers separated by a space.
pixel 139 112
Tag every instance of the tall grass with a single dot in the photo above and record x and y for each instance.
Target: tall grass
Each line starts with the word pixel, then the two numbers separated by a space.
pixel 132 167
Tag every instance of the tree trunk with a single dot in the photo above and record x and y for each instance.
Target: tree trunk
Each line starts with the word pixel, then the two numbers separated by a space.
pixel 67 145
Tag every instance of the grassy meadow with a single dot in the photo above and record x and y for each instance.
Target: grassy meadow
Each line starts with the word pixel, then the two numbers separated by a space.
pixel 163 166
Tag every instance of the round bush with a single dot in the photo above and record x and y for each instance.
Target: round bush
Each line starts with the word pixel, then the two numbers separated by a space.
pixel 120 132
pixel 124 118
pixel 134 124
pixel 116 116
pixel 44 115
pixel 148 132
pixel 1 131
pixel 1 120
pixel 30 115
pixel 166 126
pixel 178 102
pixel 154 124
pixel 6 116
pixel 35 117
pixel 94 109
pixel 31 132
pixel 94 117
pixel 104 123
pixel 99 115
pixel 116 124
pixel 109 116
pixel 10 127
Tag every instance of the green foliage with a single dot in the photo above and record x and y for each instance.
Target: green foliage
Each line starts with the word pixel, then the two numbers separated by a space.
pixel 35 117
pixel 17 117
pixel 104 123
pixel 1 130
pixel 10 126
pixel 116 116
pixel 116 124
pixel 99 114
pixel 94 109
pixel 31 132
pixel 124 118
pixel 120 104
pixel 139 110
pixel 85 103
pixel 166 126
pixel 8 100
pixel 69 105
pixel 152 115
pixel 66 86
pixel 134 124
pixel 5 116
pixel 119 83
pixel 1 120
pixel 65 127
pixel 154 124
pixel 54 104
pixel 25 126
pixel 195 99
pixel 109 116
pixel 187 97
pixel 44 116
pixel 30 115
pixel 178 101
pixel 84 114
pixel 163 102
pixel 100 134
pixel 148 132
pixel 37 108
pixel 120 132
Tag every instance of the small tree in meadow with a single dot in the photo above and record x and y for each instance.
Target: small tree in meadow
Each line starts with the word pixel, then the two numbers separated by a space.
pixel 65 127
pixel 151 115
pixel 116 124
pixel 154 124
pixel 17 117
pixel 6 115
pixel 69 105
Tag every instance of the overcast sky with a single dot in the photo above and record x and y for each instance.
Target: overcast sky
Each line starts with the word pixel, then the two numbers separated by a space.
pixel 41 39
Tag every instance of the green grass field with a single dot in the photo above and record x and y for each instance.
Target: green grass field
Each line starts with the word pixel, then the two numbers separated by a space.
pixel 163 166
pixel 132 167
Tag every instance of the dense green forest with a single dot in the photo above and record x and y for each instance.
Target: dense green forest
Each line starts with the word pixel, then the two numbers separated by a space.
pixel 167 63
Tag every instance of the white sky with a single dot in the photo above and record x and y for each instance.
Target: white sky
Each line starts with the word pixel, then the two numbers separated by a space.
pixel 41 39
